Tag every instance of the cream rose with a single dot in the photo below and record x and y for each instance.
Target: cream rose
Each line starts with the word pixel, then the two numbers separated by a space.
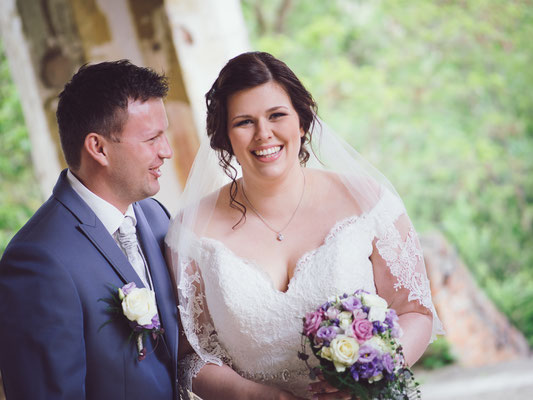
pixel 344 352
pixel 345 321
pixel 139 305
pixel 378 307
pixel 380 345
pixel 325 352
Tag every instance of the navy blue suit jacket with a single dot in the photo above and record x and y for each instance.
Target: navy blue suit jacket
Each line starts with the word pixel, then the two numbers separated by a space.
pixel 52 275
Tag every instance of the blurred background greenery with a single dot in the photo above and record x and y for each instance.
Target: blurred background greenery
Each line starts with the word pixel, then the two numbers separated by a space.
pixel 436 94
pixel 19 194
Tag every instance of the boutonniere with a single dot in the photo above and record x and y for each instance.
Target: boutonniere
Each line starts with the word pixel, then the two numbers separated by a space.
pixel 138 305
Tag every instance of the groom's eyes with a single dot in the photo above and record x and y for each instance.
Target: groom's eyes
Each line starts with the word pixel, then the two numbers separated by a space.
pixel 153 138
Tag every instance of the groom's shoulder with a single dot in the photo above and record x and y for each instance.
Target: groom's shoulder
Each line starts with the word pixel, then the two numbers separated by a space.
pixel 51 218
pixel 157 217
pixel 152 206
pixel 45 231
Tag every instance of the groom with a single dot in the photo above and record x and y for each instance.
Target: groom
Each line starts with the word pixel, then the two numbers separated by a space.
pixel 98 231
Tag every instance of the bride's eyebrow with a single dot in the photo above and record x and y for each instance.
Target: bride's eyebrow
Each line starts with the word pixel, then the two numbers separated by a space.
pixel 241 116
pixel 277 107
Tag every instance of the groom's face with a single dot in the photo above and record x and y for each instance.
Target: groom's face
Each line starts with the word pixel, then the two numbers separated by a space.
pixel 135 159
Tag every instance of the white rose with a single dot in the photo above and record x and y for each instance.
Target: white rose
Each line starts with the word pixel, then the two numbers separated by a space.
pixel 380 345
pixel 346 326
pixel 378 307
pixel 345 321
pixel 139 306
pixel 344 352
pixel 377 314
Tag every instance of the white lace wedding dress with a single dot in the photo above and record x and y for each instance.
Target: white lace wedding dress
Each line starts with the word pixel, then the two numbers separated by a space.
pixel 232 313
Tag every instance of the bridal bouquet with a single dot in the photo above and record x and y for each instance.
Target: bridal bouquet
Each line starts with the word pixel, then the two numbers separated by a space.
pixel 355 339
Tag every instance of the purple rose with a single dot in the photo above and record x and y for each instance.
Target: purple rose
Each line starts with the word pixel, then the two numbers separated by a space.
pixel 370 369
pixel 351 303
pixel 126 289
pixel 391 318
pixel 378 327
pixel 354 370
pixel 332 313
pixel 362 329
pixel 326 334
pixel 312 322
pixel 359 314
pixel 392 322
pixel 367 354
pixel 388 364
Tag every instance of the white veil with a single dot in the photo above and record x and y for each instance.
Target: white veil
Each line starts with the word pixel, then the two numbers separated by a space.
pixel 397 244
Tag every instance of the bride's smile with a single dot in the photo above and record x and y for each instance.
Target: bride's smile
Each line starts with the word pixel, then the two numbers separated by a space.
pixel 268 153
pixel 264 131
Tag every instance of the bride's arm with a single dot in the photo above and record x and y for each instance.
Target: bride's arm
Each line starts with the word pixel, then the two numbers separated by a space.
pixel 416 328
pixel 400 278
pixel 222 382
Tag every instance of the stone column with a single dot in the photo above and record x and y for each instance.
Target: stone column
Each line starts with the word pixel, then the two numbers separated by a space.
pixel 189 40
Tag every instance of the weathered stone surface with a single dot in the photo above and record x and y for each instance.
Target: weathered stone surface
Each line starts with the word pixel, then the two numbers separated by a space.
pixel 46 42
pixel 478 332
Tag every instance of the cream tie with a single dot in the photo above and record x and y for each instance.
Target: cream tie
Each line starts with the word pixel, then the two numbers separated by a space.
pixel 127 238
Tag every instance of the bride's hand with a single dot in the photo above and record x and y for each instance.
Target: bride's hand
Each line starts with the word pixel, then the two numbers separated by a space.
pixel 288 396
pixel 322 390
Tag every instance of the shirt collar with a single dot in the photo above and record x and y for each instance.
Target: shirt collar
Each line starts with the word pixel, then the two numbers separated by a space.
pixel 107 213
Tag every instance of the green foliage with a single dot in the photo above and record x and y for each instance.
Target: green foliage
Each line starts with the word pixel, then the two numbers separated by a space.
pixel 436 94
pixel 438 354
pixel 19 197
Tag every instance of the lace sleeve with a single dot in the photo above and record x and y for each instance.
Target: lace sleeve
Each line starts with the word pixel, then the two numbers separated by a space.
pixel 196 322
pixel 399 268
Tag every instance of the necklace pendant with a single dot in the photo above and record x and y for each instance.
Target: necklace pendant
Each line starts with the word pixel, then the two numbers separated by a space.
pixel 279 237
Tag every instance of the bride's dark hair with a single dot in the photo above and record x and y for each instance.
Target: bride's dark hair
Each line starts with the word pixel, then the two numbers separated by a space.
pixel 246 71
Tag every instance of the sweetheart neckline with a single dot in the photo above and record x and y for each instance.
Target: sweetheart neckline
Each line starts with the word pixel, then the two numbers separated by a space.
pixel 338 227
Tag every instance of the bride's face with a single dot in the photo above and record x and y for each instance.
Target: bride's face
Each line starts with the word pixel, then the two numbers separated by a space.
pixel 264 130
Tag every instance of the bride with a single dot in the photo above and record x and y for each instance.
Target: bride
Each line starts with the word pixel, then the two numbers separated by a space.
pixel 301 218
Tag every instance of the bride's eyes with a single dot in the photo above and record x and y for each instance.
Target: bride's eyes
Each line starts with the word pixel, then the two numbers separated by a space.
pixel 277 115
pixel 243 122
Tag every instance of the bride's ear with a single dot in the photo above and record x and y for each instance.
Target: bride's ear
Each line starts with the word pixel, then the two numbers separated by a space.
pixel 96 147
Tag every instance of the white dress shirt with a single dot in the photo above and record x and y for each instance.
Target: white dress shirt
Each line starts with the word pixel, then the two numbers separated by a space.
pixel 110 216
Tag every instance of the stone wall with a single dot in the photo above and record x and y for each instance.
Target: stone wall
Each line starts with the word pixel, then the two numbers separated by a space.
pixel 189 40
pixel 477 331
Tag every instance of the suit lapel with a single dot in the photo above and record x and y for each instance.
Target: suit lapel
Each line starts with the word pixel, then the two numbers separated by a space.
pixel 161 280
pixel 105 243
pixel 94 230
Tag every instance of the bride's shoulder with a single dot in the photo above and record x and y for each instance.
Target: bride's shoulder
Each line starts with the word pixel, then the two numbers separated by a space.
pixel 196 215
pixel 358 194
pixel 341 181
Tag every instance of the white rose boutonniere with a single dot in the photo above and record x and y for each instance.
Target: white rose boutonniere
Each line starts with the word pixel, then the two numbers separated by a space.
pixel 138 305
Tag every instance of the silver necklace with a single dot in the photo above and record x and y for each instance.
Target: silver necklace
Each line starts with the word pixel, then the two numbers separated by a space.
pixel 279 235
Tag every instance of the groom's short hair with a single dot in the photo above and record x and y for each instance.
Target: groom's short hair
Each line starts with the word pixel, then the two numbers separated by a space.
pixel 96 100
